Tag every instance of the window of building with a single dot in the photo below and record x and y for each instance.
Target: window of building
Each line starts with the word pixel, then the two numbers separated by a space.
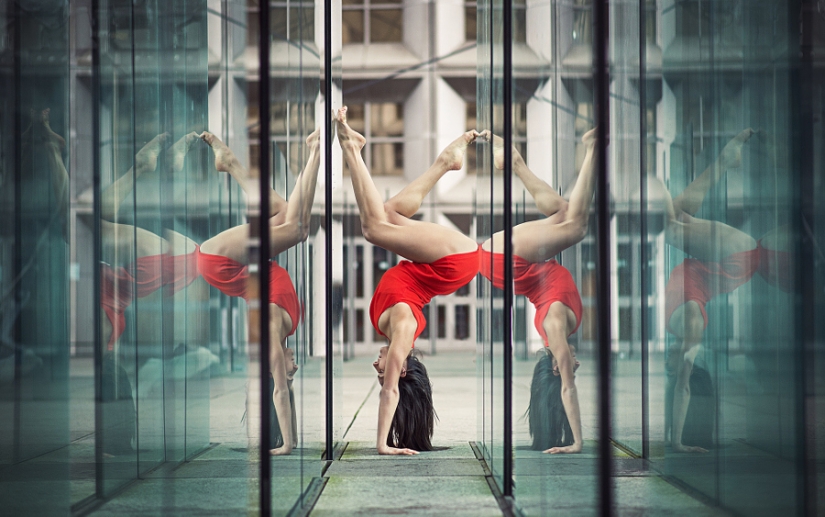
pixel 290 20
pixel 382 123
pixel 519 21
pixel 372 21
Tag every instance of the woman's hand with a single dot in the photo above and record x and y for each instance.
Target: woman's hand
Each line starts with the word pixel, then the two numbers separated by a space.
pixel 281 451
pixel 392 451
pixel 570 449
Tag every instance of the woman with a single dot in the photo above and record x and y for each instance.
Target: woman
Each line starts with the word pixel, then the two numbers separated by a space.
pixel 722 258
pixel 223 263
pixel 439 261
pixel 554 414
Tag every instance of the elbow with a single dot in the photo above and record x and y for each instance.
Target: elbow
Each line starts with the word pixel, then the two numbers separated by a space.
pixel 389 393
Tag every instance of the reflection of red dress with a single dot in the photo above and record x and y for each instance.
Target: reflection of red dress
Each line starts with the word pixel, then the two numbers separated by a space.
pixel 694 280
pixel 416 284
pixel 230 277
pixel 119 285
pixel 775 267
pixel 542 283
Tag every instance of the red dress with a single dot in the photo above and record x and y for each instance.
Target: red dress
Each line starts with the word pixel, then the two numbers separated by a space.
pixel 416 284
pixel 119 285
pixel 543 283
pixel 694 280
pixel 230 277
pixel 775 267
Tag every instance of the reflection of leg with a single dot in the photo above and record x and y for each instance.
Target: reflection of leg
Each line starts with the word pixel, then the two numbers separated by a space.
pixel 146 160
pixel 709 241
pixel 279 324
pixel 408 201
pixel 177 152
pixel 291 226
pixel 414 240
pixel 547 200
pixel 560 321
pixel 537 241
pixel 226 161
pixel 687 323
pixel 690 200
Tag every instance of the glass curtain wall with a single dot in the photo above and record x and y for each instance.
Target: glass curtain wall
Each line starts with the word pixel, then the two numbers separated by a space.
pixel 713 255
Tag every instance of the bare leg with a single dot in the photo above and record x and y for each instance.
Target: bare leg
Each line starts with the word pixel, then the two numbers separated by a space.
pixel 288 227
pixel 146 160
pixel 280 323
pixel 408 201
pixel 537 241
pixel 547 200
pixel 385 226
pixel 560 321
pixel 690 200
pixel 226 161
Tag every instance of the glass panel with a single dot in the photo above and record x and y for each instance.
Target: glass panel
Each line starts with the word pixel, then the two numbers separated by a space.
pixel 35 152
pixel 555 313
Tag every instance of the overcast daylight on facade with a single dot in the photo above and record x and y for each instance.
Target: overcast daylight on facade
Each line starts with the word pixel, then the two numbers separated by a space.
pixel 425 257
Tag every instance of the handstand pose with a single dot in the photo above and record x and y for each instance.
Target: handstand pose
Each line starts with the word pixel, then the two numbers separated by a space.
pixel 135 262
pixel 554 415
pixel 723 258
pixel 441 260
pixel 223 262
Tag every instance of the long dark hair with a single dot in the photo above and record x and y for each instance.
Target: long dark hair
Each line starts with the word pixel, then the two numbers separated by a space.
pixel 549 426
pixel 412 425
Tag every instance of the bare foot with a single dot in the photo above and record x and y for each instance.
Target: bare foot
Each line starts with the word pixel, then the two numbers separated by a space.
pixel 498 149
pixel 177 152
pixel 314 139
pixel 147 158
pixel 452 157
pixel 731 156
pixel 589 138
pixel 346 135
pixel 225 159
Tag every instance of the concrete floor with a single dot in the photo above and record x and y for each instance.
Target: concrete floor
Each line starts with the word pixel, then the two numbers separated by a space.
pixel 450 481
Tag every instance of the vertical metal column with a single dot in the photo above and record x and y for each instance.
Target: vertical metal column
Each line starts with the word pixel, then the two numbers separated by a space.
pixel 97 342
pixel 328 291
pixel 644 259
pixel 263 253
pixel 507 101
pixel 602 82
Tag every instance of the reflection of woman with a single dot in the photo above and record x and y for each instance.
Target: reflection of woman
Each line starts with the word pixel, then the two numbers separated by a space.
pixel 135 263
pixel 722 259
pixel 158 262
pixel 223 262
pixel 555 419
pixel 440 260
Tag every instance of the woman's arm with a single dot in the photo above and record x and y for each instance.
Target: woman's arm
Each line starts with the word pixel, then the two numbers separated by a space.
pixel 388 401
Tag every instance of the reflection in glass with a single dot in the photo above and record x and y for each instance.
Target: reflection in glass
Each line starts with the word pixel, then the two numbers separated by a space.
pixel 553 412
pixel 223 262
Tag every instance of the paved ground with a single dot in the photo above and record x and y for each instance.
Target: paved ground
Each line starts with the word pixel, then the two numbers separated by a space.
pixel 451 481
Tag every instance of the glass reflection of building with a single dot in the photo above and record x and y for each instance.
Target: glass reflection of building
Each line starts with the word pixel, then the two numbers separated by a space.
pixel 87 414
